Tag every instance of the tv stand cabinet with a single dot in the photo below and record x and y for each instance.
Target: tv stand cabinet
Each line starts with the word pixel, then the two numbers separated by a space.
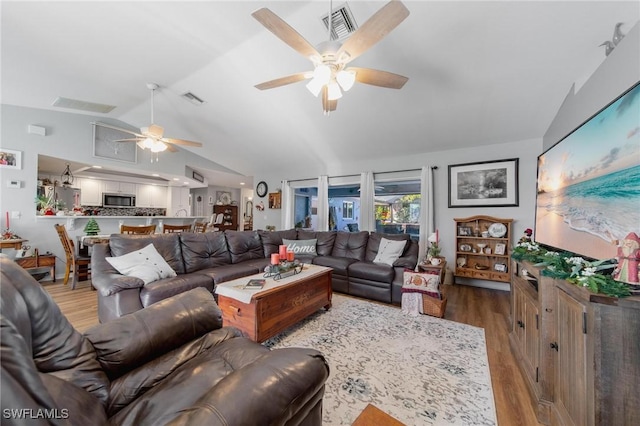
pixel 579 352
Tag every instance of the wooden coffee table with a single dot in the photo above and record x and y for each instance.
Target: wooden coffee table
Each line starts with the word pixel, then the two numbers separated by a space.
pixel 261 314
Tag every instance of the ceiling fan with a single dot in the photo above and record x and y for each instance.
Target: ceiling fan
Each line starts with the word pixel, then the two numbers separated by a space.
pixel 330 76
pixel 152 137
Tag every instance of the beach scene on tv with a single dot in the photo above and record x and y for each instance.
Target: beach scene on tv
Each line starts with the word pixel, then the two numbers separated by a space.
pixel 589 183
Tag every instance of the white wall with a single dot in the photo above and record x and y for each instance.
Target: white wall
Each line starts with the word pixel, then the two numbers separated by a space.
pixel 68 136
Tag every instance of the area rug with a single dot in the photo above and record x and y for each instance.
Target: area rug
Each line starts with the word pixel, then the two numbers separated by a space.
pixel 421 370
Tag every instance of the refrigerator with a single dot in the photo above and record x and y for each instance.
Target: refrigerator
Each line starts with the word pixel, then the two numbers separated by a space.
pixel 67 197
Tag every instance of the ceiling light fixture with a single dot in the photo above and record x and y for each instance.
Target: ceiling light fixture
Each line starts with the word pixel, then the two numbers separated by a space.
pixel 67 177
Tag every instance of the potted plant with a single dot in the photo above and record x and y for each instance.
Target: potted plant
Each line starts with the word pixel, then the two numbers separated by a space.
pixel 433 252
pixel 45 205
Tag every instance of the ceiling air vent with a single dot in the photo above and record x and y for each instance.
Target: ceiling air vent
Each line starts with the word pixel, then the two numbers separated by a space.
pixel 82 105
pixel 193 98
pixel 342 22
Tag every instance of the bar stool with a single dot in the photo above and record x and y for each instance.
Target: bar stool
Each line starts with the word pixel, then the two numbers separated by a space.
pixel 168 229
pixel 141 229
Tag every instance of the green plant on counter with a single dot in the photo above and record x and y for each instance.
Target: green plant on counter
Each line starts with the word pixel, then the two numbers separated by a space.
pixel 44 202
pixel 574 269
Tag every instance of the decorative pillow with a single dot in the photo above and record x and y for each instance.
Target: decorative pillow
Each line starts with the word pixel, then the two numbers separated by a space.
pixel 146 264
pixel 421 282
pixel 389 251
pixel 306 247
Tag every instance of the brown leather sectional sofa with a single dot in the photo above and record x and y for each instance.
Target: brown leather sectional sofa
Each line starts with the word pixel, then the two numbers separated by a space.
pixel 207 259
pixel 172 363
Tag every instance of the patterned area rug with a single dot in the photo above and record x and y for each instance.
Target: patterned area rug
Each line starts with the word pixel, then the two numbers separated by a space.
pixel 421 370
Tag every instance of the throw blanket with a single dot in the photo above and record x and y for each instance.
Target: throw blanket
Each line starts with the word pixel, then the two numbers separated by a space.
pixel 415 284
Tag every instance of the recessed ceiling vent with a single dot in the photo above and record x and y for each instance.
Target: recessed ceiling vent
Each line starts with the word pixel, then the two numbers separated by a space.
pixel 82 105
pixel 342 23
pixel 193 98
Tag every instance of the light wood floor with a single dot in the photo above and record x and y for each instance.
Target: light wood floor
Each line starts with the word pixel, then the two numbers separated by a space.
pixel 484 308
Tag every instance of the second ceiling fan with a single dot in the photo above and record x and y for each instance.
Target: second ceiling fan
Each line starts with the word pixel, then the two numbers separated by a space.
pixel 331 75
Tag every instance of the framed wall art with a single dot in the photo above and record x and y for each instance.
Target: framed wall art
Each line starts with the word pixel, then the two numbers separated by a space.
pixel 106 145
pixel 10 159
pixel 484 184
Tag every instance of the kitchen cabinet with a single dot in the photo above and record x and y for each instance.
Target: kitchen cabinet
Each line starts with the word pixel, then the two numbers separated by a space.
pixel 178 201
pixel 151 196
pixel 115 187
pixel 483 248
pixel 90 191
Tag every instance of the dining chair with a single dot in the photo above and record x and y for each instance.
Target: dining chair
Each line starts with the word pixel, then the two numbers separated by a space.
pixel 137 229
pixel 77 267
pixel 200 226
pixel 168 229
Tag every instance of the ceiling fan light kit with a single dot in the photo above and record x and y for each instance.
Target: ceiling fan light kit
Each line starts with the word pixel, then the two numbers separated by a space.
pixel 330 77
pixel 152 136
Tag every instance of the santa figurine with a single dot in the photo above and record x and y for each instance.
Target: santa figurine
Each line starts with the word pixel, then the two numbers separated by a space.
pixel 628 268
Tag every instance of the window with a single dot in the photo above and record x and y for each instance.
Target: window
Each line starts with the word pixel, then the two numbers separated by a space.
pixel 347 209
pixel 397 207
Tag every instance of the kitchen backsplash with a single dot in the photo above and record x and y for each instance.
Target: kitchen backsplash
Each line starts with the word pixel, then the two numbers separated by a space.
pixel 134 211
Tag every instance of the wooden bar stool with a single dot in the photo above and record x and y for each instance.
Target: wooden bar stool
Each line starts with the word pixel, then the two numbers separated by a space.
pixel 200 226
pixel 79 265
pixel 168 229
pixel 141 229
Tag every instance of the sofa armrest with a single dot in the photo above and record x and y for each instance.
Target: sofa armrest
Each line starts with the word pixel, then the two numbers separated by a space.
pixel 281 385
pixel 132 340
pixel 408 262
pixel 105 278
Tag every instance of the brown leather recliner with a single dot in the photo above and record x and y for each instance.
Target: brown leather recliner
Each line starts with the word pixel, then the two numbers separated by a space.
pixel 171 363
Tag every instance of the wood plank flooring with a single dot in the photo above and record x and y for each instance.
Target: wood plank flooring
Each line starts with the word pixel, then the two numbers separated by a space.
pixel 480 307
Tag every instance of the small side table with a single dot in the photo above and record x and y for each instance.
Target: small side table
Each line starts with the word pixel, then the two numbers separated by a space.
pixel 440 269
pixel 38 261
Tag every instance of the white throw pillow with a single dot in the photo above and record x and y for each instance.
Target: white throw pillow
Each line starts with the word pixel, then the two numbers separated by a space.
pixel 146 264
pixel 389 251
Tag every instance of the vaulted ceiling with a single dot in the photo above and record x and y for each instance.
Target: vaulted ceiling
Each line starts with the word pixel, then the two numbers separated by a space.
pixel 479 73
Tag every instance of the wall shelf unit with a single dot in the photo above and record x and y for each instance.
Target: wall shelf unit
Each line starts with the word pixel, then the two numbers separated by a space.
pixel 483 246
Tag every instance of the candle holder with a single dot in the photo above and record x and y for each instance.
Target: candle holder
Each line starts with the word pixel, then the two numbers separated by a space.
pixel 283 269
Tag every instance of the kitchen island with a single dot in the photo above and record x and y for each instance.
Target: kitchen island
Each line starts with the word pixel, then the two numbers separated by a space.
pixel 111 224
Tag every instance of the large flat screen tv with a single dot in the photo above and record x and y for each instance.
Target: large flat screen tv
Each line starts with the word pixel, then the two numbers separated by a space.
pixel 588 192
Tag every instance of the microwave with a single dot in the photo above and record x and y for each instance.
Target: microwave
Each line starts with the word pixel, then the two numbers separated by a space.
pixel 118 200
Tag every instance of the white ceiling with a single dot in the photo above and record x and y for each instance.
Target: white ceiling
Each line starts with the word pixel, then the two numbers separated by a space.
pixel 479 73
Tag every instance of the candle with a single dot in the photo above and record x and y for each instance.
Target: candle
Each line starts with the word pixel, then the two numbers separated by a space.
pixel 275 258
pixel 437 236
pixel 283 252
pixel 8 227
pixel 290 255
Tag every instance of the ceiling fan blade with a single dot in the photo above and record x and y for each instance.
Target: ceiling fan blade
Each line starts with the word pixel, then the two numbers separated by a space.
pixel 181 142
pixel 109 126
pixel 375 29
pixel 285 32
pixel 127 140
pixel 282 81
pixel 328 105
pixel 171 148
pixel 379 78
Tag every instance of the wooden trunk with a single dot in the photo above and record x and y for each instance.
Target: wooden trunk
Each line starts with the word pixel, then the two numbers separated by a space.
pixel 274 310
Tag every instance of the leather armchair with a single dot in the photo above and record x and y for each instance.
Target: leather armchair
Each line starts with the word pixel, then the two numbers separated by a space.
pixel 171 363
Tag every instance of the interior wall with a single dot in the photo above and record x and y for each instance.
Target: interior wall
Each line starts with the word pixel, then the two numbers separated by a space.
pixel 619 71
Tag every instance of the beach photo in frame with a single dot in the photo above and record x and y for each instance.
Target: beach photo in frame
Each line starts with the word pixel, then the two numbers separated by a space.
pixel 10 159
pixel 484 184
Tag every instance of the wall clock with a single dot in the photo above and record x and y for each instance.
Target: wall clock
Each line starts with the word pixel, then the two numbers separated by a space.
pixel 261 189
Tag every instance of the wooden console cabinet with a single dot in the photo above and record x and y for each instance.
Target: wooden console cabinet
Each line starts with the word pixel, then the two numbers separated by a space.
pixel 579 352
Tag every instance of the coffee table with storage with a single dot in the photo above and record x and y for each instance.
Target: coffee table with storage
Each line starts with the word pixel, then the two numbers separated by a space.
pixel 261 314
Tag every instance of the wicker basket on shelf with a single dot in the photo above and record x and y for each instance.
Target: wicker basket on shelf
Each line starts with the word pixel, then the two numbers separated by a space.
pixel 433 306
